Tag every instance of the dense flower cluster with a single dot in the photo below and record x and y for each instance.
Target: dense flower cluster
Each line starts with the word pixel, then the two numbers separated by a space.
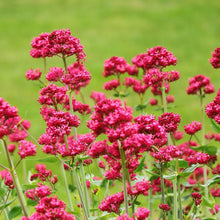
pixel 6 176
pixel 57 42
pixel 49 208
pixel 197 198
pixel 33 74
pixel 140 188
pixel 200 83
pixel 215 60
pixel 213 108
pixel 193 127
pixel 115 66
pixel 164 207
pixel 112 203
pixel 26 148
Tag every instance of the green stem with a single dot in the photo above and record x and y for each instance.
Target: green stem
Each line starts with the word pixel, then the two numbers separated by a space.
pixel 65 64
pixel 66 186
pixel 162 188
pixel 164 98
pixel 203 143
pixel 24 171
pixel 179 198
pixel 85 192
pixel 175 208
pixel 15 180
pixel 79 188
pixel 150 190
pixel 5 202
pixel 124 174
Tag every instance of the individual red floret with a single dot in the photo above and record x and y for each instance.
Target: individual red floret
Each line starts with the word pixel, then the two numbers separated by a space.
pixel 153 101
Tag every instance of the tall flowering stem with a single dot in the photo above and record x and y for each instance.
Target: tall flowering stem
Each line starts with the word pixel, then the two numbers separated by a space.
pixel 162 188
pixel 203 143
pixel 124 177
pixel 66 186
pixel 15 180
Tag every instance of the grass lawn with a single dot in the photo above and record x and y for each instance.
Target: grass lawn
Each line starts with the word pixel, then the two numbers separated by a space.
pixel 189 29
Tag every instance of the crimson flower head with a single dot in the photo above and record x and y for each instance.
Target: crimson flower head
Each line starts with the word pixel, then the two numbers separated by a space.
pixel 193 127
pixel 141 213
pixel 77 76
pixel 115 65
pixel 197 198
pixel 6 176
pixel 170 121
pixel 213 108
pixel 97 96
pixel 164 207
pixel 111 85
pixel 33 74
pixel 215 60
pixel 199 83
pixel 26 148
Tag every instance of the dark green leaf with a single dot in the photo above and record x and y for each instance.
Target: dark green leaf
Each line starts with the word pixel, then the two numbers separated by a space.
pixel 31 202
pixel 72 188
pixel 116 95
pixel 215 126
pixel 48 160
pixel 211 150
pixel 124 95
pixel 140 107
pixel 137 202
pixel 14 212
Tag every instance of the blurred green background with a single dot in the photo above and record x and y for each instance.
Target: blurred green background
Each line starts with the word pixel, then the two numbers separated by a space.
pixel 189 29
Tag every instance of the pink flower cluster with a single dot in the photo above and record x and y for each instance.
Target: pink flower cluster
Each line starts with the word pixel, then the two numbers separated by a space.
pixel 6 176
pixel 213 108
pixel 157 57
pixel 140 188
pixel 193 127
pixel 33 74
pixel 49 208
pixel 140 214
pixel 164 207
pixel 215 60
pixel 55 43
pixel 200 83
pixel 26 148
pixel 112 203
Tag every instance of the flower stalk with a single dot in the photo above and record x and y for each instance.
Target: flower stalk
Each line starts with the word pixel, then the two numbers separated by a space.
pixel 15 180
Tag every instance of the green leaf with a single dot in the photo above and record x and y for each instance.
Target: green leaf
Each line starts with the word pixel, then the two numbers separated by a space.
pixel 14 212
pixel 137 202
pixel 140 107
pixel 215 126
pixel 7 204
pixel 181 162
pixel 170 177
pixel 2 192
pixel 71 187
pixel 211 150
pixel 31 202
pixel 141 165
pixel 209 219
pixel 213 180
pixel 124 95
pixel 208 202
pixel 189 170
pixel 116 95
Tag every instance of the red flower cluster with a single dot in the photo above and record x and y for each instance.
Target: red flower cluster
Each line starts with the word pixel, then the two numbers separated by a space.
pixel 33 74
pixel 49 208
pixel 197 198
pixel 215 60
pixel 213 108
pixel 57 42
pixel 193 127
pixel 164 207
pixel 112 203
pixel 199 83
pixel 170 121
pixel 115 66
pixel 26 148
pixel 157 57
pixel 6 176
